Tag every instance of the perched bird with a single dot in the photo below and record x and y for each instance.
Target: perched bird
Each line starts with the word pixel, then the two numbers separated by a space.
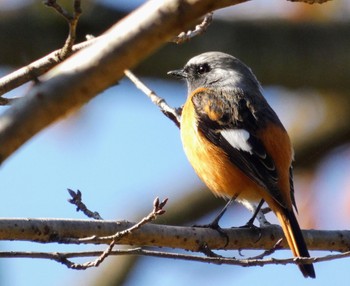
pixel 236 143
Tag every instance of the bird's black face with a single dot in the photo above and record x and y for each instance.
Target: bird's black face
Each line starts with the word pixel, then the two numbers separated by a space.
pixel 191 71
pixel 194 73
pixel 216 69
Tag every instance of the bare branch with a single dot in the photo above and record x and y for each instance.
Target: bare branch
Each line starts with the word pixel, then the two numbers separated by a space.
pixel 199 29
pixel 77 80
pixel 157 210
pixel 34 70
pixel 173 114
pixel 72 21
pixel 269 251
pixel 39 67
pixel 59 9
pixel 62 256
pixel 77 200
pixel 190 238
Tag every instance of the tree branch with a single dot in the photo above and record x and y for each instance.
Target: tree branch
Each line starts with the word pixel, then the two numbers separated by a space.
pixel 198 30
pixel 77 201
pixel 190 238
pixel 157 210
pixel 34 70
pixel 72 21
pixel 174 114
pixel 58 256
pixel 85 74
pixel 39 67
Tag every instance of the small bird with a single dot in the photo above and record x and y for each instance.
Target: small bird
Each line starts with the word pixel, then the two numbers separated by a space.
pixel 236 143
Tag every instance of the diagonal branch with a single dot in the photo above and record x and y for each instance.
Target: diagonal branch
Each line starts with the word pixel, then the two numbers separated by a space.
pixel 174 114
pixel 34 70
pixel 87 73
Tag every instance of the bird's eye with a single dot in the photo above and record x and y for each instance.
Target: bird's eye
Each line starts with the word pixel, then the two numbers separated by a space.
pixel 201 69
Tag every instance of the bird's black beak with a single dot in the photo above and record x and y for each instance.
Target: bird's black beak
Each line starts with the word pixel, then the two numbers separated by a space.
pixel 178 73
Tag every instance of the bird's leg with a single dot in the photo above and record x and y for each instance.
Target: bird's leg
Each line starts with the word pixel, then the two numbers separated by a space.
pixel 261 217
pixel 256 211
pixel 215 223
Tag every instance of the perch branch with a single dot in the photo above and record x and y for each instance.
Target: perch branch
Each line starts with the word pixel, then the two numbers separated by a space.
pixel 190 238
pixel 173 114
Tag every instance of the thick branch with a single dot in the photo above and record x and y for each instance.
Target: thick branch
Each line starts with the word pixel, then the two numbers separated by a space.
pixel 81 77
pixel 34 70
pixel 190 238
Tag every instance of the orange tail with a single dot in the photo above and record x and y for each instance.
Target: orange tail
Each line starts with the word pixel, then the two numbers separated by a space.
pixel 295 239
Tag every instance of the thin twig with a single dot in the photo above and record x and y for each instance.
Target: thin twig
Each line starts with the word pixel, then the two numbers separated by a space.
pixel 64 256
pixel 157 210
pixel 77 201
pixel 72 20
pixel 270 251
pixel 199 29
pixel 58 8
pixel 39 67
pixel 33 70
pixel 173 114
pixel 204 248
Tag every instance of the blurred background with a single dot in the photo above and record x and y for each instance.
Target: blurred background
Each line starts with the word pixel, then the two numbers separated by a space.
pixel 121 152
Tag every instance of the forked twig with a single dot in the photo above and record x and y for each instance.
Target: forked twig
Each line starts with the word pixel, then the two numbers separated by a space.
pixel 72 20
pixel 198 30
pixel 77 201
pixel 157 210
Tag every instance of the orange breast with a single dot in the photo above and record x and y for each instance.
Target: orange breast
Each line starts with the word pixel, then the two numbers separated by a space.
pixel 211 163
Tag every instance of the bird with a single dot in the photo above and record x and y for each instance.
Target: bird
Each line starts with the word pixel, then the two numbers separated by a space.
pixel 236 143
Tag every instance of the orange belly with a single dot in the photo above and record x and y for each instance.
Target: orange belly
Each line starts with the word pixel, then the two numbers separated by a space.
pixel 213 166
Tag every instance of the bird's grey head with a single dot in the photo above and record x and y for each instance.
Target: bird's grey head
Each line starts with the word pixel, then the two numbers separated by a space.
pixel 217 69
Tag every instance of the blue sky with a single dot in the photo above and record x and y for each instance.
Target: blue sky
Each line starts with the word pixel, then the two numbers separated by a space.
pixel 122 153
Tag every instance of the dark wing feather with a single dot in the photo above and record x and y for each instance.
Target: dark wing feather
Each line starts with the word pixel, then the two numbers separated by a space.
pixel 291 183
pixel 217 113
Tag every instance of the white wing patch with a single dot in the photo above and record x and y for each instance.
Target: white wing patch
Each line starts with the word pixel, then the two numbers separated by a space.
pixel 238 138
